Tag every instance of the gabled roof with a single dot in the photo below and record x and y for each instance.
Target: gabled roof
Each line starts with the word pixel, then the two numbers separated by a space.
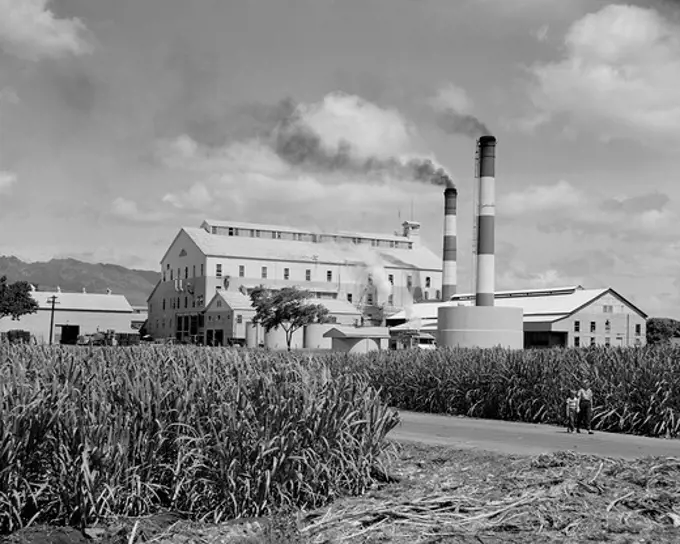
pixel 93 302
pixel 539 305
pixel 358 332
pixel 216 245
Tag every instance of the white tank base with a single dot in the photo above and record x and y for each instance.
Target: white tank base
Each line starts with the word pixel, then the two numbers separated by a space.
pixel 480 327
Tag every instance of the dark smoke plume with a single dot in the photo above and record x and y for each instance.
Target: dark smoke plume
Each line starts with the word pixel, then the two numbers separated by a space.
pixel 299 145
pixel 452 122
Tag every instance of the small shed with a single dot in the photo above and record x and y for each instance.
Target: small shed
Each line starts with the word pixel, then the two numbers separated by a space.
pixel 358 339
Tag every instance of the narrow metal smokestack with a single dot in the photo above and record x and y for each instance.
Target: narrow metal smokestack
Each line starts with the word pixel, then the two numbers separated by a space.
pixel 485 222
pixel 450 270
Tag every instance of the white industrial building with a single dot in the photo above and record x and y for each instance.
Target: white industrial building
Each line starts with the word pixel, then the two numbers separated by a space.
pixel 569 317
pixel 365 276
pixel 75 315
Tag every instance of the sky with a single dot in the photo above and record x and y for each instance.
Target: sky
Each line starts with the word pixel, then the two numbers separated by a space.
pixel 121 122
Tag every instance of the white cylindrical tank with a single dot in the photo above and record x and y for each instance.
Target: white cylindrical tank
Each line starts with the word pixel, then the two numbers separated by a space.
pixel 480 327
pixel 252 335
pixel 275 339
pixel 313 336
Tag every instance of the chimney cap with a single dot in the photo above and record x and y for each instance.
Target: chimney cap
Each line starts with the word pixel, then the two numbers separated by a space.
pixel 487 140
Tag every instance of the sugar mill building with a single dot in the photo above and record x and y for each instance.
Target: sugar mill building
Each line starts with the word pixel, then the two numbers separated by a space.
pixel 75 315
pixel 569 317
pixel 375 274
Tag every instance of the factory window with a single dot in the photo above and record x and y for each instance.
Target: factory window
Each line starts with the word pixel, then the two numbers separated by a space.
pixel 592 340
pixel 607 309
pixel 171 276
pixel 257 234
pixel 286 273
pixel 427 282
pixel 231 231
pixel 427 295
pixel 264 272
pixel 179 273
pixel 439 294
pixel 369 299
pixel 219 303
pixel 607 326
pixel 186 302
pixel 577 326
pixel 164 276
pixel 218 270
pixel 193 303
pixel 186 272
pixel 638 329
pixel 252 233
pixel 607 341
pixel 163 304
pixel 577 342
pixel 329 275
pixel 593 326
pixel 390 278
pixel 308 275
pixel 390 300
pixel 239 318
pixel 409 282
pixel 193 271
pixel 209 318
pixel 201 270
pixel 241 271
pixel 349 297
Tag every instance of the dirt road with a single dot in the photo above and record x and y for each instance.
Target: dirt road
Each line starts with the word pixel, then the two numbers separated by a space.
pixel 524 438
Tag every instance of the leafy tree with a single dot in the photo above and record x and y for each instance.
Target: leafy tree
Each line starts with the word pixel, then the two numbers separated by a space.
pixel 16 299
pixel 660 330
pixel 288 308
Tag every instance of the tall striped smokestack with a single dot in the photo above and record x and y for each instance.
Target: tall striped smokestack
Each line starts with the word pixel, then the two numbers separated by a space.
pixel 450 270
pixel 485 222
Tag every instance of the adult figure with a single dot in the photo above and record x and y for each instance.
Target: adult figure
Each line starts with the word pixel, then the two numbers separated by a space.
pixel 585 412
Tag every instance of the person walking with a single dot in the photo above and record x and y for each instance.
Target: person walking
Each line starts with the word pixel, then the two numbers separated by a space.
pixel 585 408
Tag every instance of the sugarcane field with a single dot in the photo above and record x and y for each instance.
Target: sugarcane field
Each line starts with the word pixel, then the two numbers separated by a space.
pixel 193 444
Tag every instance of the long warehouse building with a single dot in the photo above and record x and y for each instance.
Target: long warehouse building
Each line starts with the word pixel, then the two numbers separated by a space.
pixel 567 317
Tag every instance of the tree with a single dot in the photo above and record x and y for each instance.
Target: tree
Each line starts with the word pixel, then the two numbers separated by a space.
pixel 660 330
pixel 288 308
pixel 16 299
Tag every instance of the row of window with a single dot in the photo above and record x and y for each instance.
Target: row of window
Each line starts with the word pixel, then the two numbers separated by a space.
pixel 168 273
pixel 309 237
pixel 607 341
pixel 607 327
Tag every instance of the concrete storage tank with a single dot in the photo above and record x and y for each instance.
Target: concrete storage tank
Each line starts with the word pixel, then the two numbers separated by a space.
pixel 253 335
pixel 314 339
pixel 275 339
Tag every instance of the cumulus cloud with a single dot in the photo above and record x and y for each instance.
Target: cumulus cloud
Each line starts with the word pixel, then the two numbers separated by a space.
pixel 7 180
pixel 31 31
pixel 564 207
pixel 618 77
pixel 128 210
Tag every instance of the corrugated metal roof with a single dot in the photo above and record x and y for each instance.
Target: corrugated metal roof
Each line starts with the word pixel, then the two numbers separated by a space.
pixel 234 299
pixel 302 230
pixel 547 308
pixel 420 257
pixel 83 301
pixel 358 332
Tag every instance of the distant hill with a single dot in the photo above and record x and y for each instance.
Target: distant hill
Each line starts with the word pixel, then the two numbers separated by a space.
pixel 73 275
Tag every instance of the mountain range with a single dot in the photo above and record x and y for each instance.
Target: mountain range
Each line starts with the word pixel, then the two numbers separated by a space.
pixel 72 275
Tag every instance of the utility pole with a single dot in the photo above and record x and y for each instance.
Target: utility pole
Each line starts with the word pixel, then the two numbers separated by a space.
pixel 53 301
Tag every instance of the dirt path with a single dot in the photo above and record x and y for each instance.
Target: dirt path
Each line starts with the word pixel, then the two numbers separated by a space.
pixel 524 438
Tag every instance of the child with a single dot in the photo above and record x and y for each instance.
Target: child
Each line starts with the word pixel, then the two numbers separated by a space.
pixel 572 410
